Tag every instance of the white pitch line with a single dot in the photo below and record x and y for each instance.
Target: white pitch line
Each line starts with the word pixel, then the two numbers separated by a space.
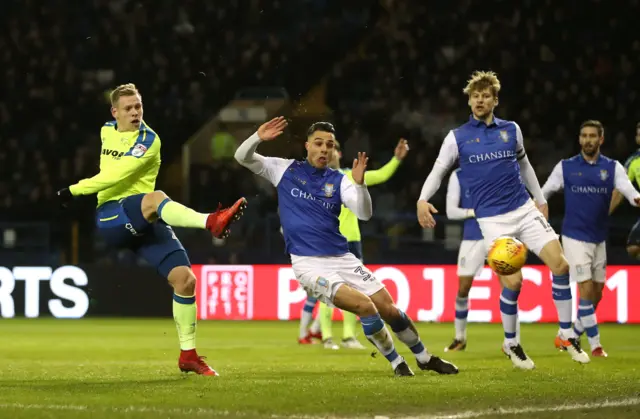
pixel 469 414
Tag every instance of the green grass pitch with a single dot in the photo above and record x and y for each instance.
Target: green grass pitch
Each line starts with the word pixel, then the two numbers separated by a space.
pixel 125 368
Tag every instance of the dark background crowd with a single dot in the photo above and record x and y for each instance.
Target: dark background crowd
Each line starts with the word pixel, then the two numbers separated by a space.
pixel 389 69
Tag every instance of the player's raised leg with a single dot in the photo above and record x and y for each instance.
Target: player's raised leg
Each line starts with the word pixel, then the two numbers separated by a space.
pixel 158 205
pixel 406 332
pixel 347 298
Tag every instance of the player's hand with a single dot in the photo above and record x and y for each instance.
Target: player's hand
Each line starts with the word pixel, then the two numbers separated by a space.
pixel 637 201
pixel 401 149
pixel 64 197
pixel 425 217
pixel 544 209
pixel 272 129
pixel 359 167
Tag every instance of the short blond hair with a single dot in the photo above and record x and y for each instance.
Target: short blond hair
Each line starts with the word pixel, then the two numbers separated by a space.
pixel 481 80
pixel 128 89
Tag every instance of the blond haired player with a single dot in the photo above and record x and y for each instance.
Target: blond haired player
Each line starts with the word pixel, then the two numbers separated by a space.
pixel 496 169
pixel 349 228
pixel 132 215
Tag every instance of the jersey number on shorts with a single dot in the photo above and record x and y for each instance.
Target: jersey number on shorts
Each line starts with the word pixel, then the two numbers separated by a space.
pixel 544 223
pixel 366 275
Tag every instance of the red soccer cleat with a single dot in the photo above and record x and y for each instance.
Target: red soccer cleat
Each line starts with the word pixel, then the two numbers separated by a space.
pixel 599 353
pixel 315 335
pixel 189 361
pixel 218 222
pixel 305 340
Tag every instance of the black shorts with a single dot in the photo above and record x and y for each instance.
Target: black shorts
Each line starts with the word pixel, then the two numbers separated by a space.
pixel 634 235
pixel 122 225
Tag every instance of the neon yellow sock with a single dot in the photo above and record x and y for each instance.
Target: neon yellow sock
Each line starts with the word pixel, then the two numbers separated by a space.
pixel 184 314
pixel 326 323
pixel 177 215
pixel 349 325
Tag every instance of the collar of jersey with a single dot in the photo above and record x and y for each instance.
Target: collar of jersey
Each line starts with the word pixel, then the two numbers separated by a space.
pixel 314 170
pixel 115 127
pixel 476 122
pixel 583 160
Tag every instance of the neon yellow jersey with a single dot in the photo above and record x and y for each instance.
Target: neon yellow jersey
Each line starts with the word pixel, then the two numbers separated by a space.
pixel 129 164
pixel 633 167
pixel 349 226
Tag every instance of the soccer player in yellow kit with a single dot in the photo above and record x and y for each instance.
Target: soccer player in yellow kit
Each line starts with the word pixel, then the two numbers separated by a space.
pixel 350 229
pixel 132 215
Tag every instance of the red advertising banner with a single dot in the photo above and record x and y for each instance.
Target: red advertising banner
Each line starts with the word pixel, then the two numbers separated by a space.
pixel 424 292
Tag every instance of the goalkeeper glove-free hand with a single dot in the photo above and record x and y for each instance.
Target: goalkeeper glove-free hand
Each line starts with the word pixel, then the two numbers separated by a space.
pixel 64 197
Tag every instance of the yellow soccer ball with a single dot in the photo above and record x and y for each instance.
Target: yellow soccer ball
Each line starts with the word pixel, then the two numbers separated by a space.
pixel 507 255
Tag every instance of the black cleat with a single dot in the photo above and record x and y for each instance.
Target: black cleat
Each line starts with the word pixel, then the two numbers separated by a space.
pixel 438 365
pixel 403 370
pixel 456 345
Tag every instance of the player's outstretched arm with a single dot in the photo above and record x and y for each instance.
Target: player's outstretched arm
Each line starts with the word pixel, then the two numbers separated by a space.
pixel 624 186
pixel 271 168
pixel 555 181
pixel 454 211
pixel 355 195
pixel 383 174
pixel 446 159
pixel 128 165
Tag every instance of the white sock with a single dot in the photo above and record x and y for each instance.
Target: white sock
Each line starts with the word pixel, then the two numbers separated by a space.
pixel 460 322
pixel 561 291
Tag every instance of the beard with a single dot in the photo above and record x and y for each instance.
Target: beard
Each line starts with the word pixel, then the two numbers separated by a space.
pixel 590 152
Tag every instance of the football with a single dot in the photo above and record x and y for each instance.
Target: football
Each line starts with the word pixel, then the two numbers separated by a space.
pixel 507 255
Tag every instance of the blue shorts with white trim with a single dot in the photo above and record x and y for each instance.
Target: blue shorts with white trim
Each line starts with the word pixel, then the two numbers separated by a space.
pixel 122 225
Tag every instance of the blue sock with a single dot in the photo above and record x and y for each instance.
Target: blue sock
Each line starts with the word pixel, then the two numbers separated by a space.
pixel 377 333
pixel 406 332
pixel 310 304
pixel 509 312
pixel 587 315
pixel 562 299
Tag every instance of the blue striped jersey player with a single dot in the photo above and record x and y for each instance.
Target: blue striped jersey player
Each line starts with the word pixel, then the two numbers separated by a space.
pixel 310 198
pixel 588 180
pixel 132 215
pixel 471 256
pixel 494 165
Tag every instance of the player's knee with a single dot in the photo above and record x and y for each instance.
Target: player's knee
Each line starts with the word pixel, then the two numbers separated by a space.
pixel 183 281
pixel 559 266
pixel 152 200
pixel 365 307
